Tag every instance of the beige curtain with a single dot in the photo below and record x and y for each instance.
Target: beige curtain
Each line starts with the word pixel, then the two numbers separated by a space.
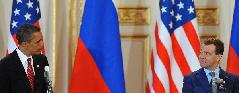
pixel 5 15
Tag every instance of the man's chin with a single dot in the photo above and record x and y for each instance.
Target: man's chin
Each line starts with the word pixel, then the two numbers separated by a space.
pixel 37 53
pixel 202 65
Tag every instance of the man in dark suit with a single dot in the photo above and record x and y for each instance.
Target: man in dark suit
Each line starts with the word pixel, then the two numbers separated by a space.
pixel 22 71
pixel 211 78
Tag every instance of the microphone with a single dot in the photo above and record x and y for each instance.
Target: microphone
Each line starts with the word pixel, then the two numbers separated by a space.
pixel 214 85
pixel 218 85
pixel 46 73
pixel 48 81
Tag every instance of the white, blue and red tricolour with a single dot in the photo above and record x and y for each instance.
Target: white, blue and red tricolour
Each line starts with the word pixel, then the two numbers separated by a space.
pixel 98 66
pixel 233 55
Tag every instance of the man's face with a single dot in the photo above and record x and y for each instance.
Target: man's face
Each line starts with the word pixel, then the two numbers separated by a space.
pixel 208 57
pixel 35 46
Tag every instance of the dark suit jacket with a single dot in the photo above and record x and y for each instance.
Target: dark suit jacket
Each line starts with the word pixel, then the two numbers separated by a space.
pixel 13 78
pixel 197 82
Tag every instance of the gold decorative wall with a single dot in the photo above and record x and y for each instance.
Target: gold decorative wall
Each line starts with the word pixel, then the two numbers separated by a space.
pixel 207 16
pixel 134 16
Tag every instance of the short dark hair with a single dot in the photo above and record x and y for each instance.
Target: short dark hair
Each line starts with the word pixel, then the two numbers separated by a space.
pixel 25 31
pixel 219 45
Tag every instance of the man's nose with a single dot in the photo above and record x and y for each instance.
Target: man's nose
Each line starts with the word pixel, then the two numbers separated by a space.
pixel 41 44
pixel 202 55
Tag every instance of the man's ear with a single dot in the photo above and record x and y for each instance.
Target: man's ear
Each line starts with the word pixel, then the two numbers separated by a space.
pixel 24 44
pixel 219 57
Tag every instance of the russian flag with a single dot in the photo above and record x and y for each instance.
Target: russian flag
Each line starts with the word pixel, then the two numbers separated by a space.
pixel 233 56
pixel 98 66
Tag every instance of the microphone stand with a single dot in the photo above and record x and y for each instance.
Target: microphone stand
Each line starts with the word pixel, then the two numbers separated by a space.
pixel 48 81
pixel 218 85
pixel 49 87
pixel 214 86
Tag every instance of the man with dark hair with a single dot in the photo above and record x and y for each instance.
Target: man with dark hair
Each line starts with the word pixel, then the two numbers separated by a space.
pixel 22 71
pixel 211 78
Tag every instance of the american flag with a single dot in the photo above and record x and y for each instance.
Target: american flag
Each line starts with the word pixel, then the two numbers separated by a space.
pixel 23 11
pixel 175 47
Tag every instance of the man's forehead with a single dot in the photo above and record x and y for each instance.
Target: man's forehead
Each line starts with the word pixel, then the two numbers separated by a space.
pixel 36 35
pixel 210 47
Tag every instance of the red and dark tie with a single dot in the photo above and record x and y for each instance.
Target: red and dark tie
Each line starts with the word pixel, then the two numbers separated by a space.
pixel 30 73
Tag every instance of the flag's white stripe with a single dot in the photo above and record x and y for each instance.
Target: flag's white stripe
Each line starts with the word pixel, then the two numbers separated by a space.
pixel 195 25
pixel 187 49
pixel 161 72
pixel 188 52
pixel 165 38
pixel 11 43
pixel 177 75
pixel 150 80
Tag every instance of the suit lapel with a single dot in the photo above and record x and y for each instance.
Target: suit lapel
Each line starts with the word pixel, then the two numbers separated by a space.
pixel 37 66
pixel 228 83
pixel 201 76
pixel 222 74
pixel 21 70
pixel 39 72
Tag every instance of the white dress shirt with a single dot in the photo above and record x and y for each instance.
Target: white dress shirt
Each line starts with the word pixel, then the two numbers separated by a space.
pixel 216 73
pixel 23 58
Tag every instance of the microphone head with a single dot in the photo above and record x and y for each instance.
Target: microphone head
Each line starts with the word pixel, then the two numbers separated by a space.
pixel 47 68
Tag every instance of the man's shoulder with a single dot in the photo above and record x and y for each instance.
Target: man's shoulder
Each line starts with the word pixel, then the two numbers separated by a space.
pixel 8 61
pixel 194 73
pixel 40 58
pixel 9 58
pixel 231 76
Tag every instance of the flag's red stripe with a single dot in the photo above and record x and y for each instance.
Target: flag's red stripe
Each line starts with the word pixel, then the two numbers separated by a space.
pixel 192 37
pixel 233 61
pixel 162 51
pixel 86 77
pixel 7 52
pixel 179 56
pixel 147 90
pixel 157 85
pixel 163 55
pixel 15 39
pixel 37 24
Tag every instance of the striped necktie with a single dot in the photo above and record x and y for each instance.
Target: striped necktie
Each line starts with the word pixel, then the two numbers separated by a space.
pixel 30 73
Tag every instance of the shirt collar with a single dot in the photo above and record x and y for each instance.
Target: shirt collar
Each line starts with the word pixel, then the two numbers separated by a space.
pixel 216 72
pixel 22 56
